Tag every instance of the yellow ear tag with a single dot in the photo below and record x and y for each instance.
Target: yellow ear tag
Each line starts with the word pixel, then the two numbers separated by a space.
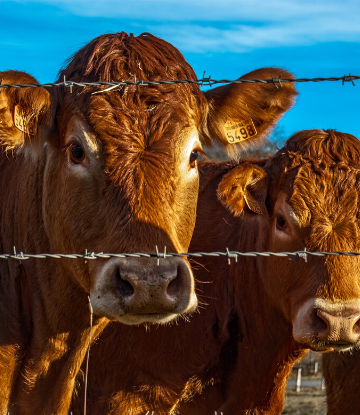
pixel 252 203
pixel 20 121
pixel 237 131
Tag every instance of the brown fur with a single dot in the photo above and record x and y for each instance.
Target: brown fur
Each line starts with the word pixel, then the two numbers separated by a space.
pixel 134 189
pixel 236 353
pixel 35 104
pixel 341 373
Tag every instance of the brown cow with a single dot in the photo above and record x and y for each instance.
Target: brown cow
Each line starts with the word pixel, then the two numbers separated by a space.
pixel 261 314
pixel 341 371
pixel 103 170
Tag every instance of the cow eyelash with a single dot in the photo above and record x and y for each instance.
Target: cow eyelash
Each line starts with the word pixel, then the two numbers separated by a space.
pixel 77 153
pixel 194 156
pixel 281 222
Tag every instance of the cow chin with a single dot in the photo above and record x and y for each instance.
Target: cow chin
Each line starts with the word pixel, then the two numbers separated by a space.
pixel 323 325
pixel 147 318
pixel 137 290
pixel 109 307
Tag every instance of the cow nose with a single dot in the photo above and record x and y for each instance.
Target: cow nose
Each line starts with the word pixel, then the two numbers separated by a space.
pixel 143 287
pixel 166 284
pixel 143 290
pixel 338 326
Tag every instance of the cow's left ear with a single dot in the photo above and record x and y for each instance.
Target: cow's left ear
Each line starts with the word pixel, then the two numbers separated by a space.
pixel 240 115
pixel 244 188
pixel 23 111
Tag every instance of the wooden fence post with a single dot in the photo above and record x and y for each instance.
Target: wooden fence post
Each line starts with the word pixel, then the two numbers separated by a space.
pixel 316 367
pixel 298 379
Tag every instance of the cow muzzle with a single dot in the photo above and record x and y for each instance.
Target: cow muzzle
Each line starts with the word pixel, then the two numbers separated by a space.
pixel 137 290
pixel 324 325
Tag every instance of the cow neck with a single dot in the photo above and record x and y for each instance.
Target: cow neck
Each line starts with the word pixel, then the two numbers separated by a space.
pixel 161 363
pixel 49 335
pixel 246 322
pixel 171 362
pixel 263 330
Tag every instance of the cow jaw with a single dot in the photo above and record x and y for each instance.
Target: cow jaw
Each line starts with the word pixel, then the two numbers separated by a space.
pixel 137 290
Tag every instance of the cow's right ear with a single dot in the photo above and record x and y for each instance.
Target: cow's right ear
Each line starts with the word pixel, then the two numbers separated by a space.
pixel 23 111
pixel 244 188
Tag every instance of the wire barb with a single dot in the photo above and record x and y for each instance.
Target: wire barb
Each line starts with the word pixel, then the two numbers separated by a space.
pixel 303 254
pixel 349 78
pixel 158 255
pixel 277 80
pixel 203 79
pixel 0 84
pixel 273 79
pixel 231 255
pixel 19 256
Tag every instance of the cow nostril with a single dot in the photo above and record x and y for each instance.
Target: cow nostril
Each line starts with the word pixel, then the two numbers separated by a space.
pixel 174 287
pixel 356 328
pixel 124 287
pixel 319 323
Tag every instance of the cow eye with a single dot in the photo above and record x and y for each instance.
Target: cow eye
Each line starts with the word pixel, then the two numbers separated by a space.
pixel 280 222
pixel 193 157
pixel 77 153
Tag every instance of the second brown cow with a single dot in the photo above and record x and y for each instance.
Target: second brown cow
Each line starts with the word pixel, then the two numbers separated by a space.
pixel 258 315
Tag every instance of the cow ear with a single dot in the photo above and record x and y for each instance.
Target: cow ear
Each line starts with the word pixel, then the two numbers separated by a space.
pixel 244 114
pixel 23 111
pixel 244 188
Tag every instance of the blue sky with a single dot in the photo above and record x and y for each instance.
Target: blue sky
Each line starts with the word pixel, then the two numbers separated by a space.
pixel 226 38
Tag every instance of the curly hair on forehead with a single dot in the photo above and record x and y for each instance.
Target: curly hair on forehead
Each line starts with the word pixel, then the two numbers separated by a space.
pixel 137 125
pixel 320 173
pixel 111 56
pixel 121 57
pixel 319 149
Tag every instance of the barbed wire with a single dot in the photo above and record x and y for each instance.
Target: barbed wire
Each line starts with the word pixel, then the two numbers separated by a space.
pixel 163 255
pixel 201 82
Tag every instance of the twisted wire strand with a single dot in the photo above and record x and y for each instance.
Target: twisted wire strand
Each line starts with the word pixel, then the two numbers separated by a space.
pixel 202 82
pixel 164 255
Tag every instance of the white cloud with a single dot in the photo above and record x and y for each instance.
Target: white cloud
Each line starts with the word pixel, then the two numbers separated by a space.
pixel 206 10
pixel 230 25
pixel 244 38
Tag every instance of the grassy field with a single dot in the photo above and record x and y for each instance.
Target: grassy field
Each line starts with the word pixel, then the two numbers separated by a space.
pixel 309 401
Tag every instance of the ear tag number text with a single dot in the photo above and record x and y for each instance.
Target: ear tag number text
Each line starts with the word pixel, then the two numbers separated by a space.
pixel 237 131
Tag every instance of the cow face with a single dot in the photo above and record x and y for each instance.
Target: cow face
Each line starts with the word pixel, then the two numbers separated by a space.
pixel 120 169
pixel 153 204
pixel 313 203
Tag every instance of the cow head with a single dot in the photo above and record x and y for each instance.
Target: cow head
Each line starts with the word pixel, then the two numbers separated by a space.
pixel 120 169
pixel 307 196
